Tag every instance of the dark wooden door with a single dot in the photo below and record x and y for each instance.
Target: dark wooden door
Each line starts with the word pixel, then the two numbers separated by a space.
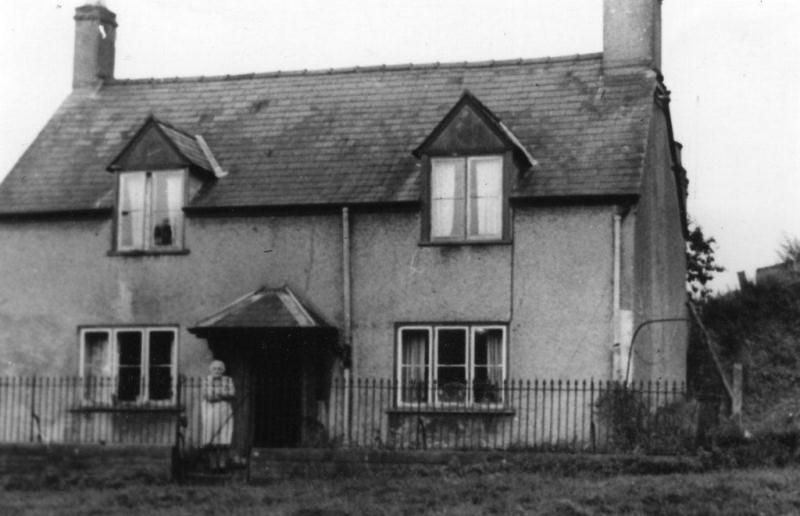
pixel 277 400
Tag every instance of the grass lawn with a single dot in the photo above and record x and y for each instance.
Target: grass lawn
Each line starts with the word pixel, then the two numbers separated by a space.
pixel 758 491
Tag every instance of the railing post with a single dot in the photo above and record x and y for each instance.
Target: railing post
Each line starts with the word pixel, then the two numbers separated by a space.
pixel 33 407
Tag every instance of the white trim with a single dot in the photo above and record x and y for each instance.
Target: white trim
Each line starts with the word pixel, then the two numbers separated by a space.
pixel 399 364
pixel 144 359
pixel 146 229
pixel 215 166
pixel 433 363
pixel 466 237
pixel 503 360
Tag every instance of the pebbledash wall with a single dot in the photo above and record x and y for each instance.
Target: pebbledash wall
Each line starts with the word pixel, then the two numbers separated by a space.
pixel 552 285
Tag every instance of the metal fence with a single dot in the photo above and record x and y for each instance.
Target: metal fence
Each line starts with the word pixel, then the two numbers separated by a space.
pixel 566 415
pixel 87 410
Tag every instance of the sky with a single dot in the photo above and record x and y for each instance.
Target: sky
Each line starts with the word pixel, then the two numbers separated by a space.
pixel 732 67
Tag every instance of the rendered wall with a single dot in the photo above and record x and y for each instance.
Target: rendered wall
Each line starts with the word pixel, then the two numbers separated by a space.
pixel 57 276
pixel 659 351
pixel 558 310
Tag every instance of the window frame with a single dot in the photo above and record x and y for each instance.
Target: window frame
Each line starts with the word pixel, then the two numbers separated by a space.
pixel 112 364
pixel 506 165
pixel 148 247
pixel 433 400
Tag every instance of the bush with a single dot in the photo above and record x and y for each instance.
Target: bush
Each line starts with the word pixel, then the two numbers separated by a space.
pixel 632 426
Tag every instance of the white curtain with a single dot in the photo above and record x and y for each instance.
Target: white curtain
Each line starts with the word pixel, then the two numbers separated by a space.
pixel 486 196
pixel 98 385
pixel 414 365
pixel 167 204
pixel 494 356
pixel 131 224
pixel 444 196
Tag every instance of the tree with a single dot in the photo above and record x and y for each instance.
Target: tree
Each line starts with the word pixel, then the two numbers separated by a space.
pixel 700 263
pixel 789 250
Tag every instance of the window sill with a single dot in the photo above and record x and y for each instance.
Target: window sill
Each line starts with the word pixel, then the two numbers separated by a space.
pixel 89 407
pixel 454 411
pixel 453 243
pixel 135 253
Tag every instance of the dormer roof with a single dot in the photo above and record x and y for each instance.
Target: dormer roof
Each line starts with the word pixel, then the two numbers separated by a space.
pixel 471 127
pixel 160 145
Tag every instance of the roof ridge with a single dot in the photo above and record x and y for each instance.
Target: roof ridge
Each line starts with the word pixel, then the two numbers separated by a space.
pixel 362 69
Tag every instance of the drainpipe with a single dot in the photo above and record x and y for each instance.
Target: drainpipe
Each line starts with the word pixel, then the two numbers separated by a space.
pixel 616 358
pixel 346 301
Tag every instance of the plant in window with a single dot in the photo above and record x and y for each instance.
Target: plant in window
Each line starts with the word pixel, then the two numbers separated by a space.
pixel 451 359
pixel 150 210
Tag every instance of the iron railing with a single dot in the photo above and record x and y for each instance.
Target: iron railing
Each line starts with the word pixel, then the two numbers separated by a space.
pixel 566 415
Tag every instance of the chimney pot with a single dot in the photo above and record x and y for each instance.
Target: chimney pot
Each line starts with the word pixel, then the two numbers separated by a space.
pixel 95 35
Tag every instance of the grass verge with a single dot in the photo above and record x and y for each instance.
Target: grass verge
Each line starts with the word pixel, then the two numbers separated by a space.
pixel 757 491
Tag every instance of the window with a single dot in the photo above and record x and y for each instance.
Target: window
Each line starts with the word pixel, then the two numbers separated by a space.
pixel 150 211
pixel 451 365
pixel 128 364
pixel 466 197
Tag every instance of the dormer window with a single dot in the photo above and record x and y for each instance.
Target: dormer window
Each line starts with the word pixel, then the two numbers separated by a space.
pixel 153 171
pixel 466 198
pixel 469 163
pixel 150 210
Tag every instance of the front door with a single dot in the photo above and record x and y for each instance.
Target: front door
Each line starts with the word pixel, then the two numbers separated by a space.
pixel 277 399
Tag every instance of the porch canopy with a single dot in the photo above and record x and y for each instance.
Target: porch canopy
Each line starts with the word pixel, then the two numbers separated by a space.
pixel 266 311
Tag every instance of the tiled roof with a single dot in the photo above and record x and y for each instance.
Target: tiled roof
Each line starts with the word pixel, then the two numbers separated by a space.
pixel 265 309
pixel 345 136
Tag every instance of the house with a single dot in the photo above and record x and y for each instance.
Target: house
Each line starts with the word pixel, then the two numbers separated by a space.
pixel 446 227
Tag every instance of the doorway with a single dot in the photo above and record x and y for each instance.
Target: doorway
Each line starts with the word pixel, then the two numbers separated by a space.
pixel 277 407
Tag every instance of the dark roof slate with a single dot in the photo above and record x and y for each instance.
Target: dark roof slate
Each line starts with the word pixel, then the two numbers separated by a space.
pixel 345 136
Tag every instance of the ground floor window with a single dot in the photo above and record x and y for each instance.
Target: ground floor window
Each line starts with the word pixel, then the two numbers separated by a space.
pixel 128 364
pixel 451 364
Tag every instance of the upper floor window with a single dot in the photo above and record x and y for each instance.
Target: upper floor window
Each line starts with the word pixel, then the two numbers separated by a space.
pixel 136 364
pixel 466 198
pixel 150 211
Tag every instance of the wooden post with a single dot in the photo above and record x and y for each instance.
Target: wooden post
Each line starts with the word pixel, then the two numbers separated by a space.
pixel 742 280
pixel 736 401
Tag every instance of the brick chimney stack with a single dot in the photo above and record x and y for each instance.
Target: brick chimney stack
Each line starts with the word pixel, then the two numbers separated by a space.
pixel 95 32
pixel 631 34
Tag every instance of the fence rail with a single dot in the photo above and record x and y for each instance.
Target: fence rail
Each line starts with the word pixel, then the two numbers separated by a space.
pixel 570 415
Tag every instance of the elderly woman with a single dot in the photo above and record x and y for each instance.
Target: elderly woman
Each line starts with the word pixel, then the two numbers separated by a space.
pixel 217 413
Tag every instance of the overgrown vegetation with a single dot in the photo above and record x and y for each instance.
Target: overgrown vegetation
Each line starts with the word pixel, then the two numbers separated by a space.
pixel 633 427
pixel 759 327
pixel 701 266
pixel 789 250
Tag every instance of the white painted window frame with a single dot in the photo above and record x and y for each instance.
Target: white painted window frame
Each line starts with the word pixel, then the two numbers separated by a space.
pixel 112 357
pixel 467 210
pixel 147 212
pixel 433 364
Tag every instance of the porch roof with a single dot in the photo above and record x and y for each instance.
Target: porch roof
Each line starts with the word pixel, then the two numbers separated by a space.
pixel 265 309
